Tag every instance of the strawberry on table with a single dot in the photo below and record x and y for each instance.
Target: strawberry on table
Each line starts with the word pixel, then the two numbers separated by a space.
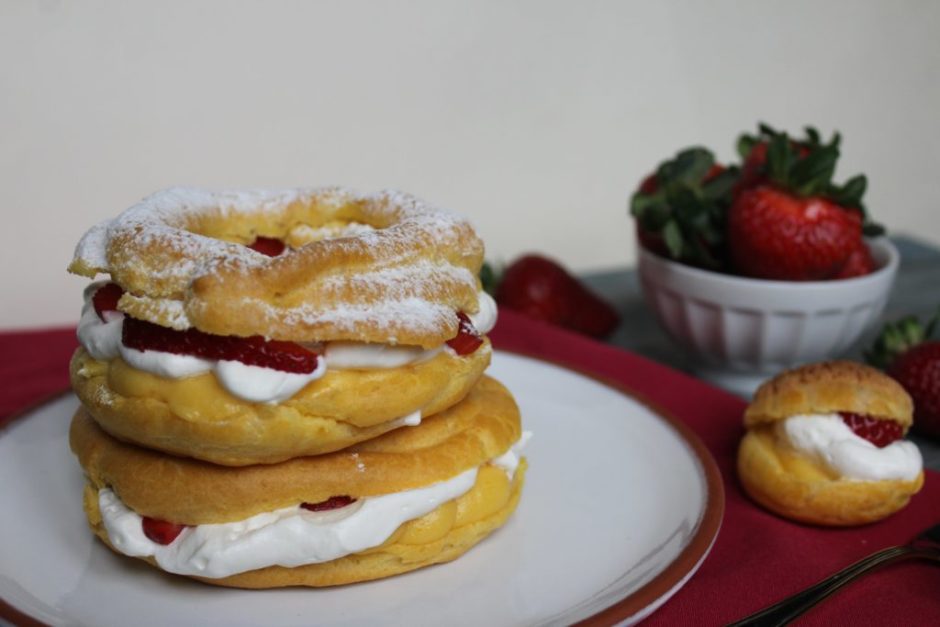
pixel 539 287
pixel 797 225
pixel 906 352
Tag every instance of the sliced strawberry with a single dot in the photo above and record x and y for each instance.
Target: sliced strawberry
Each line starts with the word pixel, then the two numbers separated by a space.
pixel 334 502
pixel 253 351
pixel 106 299
pixel 161 531
pixel 468 339
pixel 879 431
pixel 270 246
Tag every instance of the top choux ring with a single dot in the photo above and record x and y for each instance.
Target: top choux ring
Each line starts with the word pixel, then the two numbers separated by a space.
pixel 370 268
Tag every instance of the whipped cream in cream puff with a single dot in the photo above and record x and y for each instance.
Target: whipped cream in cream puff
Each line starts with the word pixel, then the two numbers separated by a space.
pixel 102 340
pixel 826 438
pixel 291 536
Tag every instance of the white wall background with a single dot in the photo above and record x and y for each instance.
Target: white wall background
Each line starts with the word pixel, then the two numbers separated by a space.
pixel 536 119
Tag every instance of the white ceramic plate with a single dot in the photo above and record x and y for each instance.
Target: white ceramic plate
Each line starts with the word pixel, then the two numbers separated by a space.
pixel 620 507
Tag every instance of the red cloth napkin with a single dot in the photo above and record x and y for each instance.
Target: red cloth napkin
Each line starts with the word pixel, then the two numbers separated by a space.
pixel 757 558
pixel 34 366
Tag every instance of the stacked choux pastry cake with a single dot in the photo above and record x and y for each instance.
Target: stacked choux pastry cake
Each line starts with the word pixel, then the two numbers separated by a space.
pixel 825 445
pixel 286 388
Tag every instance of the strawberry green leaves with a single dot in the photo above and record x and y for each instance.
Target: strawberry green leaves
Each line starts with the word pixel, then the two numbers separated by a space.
pixel 683 206
pixel 898 337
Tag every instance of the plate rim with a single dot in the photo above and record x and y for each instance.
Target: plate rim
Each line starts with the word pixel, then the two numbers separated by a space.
pixel 660 588
pixel 636 605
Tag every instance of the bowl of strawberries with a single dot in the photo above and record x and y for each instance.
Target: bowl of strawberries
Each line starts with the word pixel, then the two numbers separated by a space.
pixel 758 267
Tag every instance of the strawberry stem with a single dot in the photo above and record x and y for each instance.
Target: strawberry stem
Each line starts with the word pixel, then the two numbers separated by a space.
pixel 684 204
pixel 898 337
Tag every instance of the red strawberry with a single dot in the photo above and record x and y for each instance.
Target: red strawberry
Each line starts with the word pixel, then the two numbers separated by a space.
pixel 773 234
pixel 161 531
pixel 539 287
pixel 468 339
pixel 904 351
pixel 879 431
pixel 106 298
pixel 795 224
pixel 859 263
pixel 752 170
pixel 269 246
pixel 254 350
pixel 649 185
pixel 918 370
pixel 334 502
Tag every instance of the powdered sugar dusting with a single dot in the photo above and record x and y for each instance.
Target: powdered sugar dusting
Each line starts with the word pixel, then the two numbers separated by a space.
pixel 414 261
pixel 398 281
pixel 360 465
pixel 157 222
pixel 172 313
pixel 304 233
pixel 92 247
pixel 417 312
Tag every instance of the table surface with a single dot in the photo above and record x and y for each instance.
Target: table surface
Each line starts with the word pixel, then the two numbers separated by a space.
pixel 915 292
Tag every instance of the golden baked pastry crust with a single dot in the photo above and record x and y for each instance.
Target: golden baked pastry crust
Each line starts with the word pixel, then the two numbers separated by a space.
pixel 830 387
pixel 396 274
pixel 792 485
pixel 440 536
pixel 483 426
pixel 197 417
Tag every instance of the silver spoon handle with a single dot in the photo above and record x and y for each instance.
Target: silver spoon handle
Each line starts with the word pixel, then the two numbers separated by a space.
pixel 783 612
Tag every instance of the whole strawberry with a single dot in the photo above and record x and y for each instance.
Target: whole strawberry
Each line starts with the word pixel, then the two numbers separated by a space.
pixel 859 263
pixel 680 209
pixel 790 222
pixel 907 354
pixel 773 234
pixel 539 287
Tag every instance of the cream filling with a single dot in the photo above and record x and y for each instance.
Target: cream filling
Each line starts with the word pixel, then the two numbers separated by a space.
pixel 826 438
pixel 256 384
pixel 292 536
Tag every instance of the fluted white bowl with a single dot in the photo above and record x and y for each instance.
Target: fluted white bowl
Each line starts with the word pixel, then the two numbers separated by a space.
pixel 758 327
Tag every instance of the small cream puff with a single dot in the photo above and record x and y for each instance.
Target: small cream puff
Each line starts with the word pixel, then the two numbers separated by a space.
pixel 824 445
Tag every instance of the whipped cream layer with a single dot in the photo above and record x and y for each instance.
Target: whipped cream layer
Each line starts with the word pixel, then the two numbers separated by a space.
pixel 826 438
pixel 102 340
pixel 292 536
